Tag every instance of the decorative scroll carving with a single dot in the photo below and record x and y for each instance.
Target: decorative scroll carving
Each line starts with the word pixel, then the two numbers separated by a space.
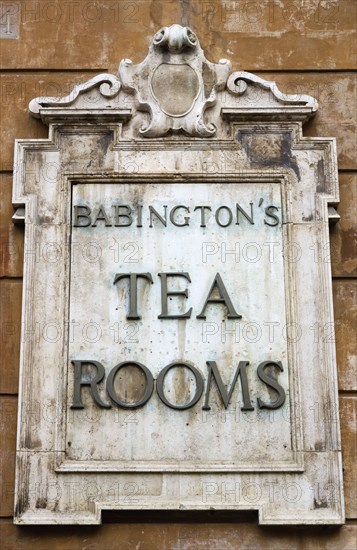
pixel 238 82
pixel 108 84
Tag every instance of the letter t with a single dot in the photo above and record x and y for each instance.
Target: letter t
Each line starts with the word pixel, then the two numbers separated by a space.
pixel 133 291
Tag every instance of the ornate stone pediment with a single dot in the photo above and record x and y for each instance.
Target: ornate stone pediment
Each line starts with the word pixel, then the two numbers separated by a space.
pixel 176 90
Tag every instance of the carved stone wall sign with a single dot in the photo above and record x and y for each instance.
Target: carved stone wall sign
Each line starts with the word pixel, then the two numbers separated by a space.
pixel 177 348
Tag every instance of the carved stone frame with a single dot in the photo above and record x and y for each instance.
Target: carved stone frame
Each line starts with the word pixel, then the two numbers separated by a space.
pixel 49 490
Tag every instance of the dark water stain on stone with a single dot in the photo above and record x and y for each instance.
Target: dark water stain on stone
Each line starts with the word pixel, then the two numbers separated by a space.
pixel 321 183
pixel 268 150
pixel 320 504
pixel 105 141
pixel 41 503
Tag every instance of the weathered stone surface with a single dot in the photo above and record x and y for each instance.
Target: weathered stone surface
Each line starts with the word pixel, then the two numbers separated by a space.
pixel 10 325
pixel 335 117
pixel 348 414
pixel 343 235
pixel 156 342
pixel 183 536
pixel 239 141
pixel 336 94
pixel 256 35
pixel 8 415
pixel 11 236
pixel 345 306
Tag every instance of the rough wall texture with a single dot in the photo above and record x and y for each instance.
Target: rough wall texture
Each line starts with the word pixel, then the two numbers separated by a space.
pixel 307 46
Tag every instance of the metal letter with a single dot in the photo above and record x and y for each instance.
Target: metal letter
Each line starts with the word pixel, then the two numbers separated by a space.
pixel 230 216
pixel 203 208
pixel 139 222
pixel 199 386
pixel 186 219
pixel 269 212
pixel 133 291
pixel 271 381
pixel 148 388
pixel 165 293
pixel 102 215
pixel 249 218
pixel 162 220
pixel 77 215
pixel 79 381
pixel 223 299
pixel 226 395
pixel 126 214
